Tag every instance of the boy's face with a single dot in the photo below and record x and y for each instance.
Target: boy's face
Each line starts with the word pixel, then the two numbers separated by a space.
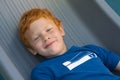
pixel 45 38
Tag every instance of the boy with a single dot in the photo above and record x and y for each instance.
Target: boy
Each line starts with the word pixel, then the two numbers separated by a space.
pixel 42 33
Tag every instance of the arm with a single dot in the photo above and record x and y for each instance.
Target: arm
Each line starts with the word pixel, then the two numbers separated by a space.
pixel 118 66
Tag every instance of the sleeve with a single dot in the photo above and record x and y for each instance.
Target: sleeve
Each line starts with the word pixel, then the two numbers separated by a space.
pixel 40 74
pixel 109 59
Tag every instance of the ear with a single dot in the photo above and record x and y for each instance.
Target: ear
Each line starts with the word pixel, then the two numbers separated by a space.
pixel 32 51
pixel 62 30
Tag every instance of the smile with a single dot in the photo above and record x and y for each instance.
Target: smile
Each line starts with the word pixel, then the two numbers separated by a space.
pixel 49 44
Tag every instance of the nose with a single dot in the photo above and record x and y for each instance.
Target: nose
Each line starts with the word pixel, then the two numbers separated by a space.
pixel 46 37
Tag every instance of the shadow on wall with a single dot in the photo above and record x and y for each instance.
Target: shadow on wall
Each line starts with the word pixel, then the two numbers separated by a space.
pixel 98 23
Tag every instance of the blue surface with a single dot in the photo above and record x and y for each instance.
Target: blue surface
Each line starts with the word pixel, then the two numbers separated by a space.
pixel 115 5
pixel 1 78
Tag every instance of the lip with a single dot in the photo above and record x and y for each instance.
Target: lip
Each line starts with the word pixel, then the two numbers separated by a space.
pixel 49 44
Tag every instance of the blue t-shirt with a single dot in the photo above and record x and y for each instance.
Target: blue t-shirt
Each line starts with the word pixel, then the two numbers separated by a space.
pixel 79 63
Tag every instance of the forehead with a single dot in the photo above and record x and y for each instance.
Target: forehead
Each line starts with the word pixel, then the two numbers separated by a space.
pixel 39 25
pixel 40 21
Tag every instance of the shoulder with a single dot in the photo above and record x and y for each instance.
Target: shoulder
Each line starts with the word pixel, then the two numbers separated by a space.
pixel 100 51
pixel 39 71
pixel 45 65
pixel 95 47
pixel 92 46
pixel 38 68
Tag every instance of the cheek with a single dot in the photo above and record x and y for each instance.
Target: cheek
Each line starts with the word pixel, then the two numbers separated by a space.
pixel 56 34
pixel 37 46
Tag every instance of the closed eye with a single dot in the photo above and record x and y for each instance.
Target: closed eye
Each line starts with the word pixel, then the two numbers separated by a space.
pixel 36 38
pixel 48 29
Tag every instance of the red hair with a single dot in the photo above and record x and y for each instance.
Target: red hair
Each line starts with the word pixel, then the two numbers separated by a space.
pixel 30 16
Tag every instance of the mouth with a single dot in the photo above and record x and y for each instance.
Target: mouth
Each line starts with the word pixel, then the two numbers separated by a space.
pixel 49 44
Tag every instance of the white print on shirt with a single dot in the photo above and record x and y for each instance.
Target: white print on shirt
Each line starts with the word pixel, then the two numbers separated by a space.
pixel 78 59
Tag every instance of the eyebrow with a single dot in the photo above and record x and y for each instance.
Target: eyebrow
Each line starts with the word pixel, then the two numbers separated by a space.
pixel 49 25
